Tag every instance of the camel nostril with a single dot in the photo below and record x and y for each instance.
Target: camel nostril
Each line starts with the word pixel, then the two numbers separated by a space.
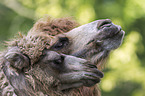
pixel 104 23
pixel 91 66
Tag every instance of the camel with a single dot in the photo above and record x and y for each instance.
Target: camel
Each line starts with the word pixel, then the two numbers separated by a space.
pixel 92 42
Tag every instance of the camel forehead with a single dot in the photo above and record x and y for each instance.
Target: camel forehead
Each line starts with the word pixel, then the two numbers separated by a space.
pixel 79 34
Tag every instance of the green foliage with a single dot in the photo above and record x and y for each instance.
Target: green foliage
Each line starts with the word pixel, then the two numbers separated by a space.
pixel 125 71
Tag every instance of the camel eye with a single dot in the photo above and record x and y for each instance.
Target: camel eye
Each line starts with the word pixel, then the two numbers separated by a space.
pixel 61 43
pixel 59 61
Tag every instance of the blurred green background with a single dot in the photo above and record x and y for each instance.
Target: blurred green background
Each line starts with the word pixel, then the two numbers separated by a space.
pixel 125 69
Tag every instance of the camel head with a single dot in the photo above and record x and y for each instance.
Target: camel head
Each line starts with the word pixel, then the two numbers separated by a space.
pixel 67 72
pixel 52 73
pixel 92 41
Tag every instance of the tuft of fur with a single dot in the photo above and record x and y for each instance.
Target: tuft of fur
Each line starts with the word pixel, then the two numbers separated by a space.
pixel 53 27
pixel 31 46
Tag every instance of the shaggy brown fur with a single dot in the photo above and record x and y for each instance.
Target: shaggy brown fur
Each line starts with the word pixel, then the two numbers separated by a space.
pixel 31 46
pixel 53 26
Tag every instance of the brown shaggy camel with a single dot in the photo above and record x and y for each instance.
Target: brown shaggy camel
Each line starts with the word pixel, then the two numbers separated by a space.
pixel 92 41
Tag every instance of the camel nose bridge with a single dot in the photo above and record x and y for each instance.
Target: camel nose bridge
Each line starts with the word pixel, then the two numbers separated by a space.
pixel 103 22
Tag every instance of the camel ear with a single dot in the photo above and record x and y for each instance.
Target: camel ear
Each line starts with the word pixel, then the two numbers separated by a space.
pixel 16 59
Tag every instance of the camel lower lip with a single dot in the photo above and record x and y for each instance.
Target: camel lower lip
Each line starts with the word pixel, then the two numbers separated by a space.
pixel 117 32
pixel 121 32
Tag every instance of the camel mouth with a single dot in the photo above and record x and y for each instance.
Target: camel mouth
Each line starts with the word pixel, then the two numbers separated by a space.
pixel 106 29
pixel 92 78
pixel 88 79
pixel 109 31
pixel 119 32
pixel 92 72
pixel 88 83
pixel 66 87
